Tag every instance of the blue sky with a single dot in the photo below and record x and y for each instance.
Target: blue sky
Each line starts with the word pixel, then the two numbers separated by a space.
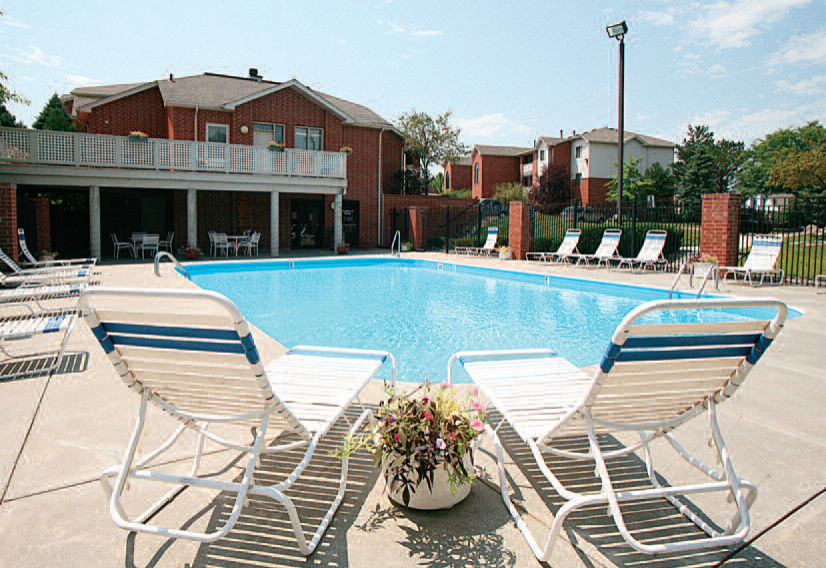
pixel 509 71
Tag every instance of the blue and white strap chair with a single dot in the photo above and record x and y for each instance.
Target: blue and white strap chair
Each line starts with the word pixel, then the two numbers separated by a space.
pixel 37 292
pixel 191 353
pixel 70 262
pixel 567 249
pixel 488 248
pixel 651 254
pixel 606 251
pixel 655 376
pixel 46 275
pixel 762 259
pixel 32 341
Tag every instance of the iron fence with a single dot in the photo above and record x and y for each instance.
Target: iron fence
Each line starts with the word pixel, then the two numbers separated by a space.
pixel 800 221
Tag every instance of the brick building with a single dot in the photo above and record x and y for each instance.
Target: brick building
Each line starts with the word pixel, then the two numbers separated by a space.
pixel 458 175
pixel 210 163
pixel 493 165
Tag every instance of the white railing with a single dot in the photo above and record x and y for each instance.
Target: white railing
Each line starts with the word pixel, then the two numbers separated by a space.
pixel 527 169
pixel 77 149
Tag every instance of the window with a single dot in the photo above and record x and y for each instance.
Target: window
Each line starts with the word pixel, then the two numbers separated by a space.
pixel 542 155
pixel 476 173
pixel 578 179
pixel 308 138
pixel 264 133
pixel 218 133
pixel 578 151
pixel 447 180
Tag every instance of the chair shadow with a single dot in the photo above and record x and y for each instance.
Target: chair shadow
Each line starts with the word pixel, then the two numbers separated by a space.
pixel 38 367
pixel 651 521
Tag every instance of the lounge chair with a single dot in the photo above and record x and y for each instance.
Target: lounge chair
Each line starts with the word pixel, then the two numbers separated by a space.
pixel 71 262
pixel 27 335
pixel 605 253
pixel 37 292
pixel 567 249
pixel 190 352
pixel 651 254
pixel 654 377
pixel 488 248
pixel 765 250
pixel 47 275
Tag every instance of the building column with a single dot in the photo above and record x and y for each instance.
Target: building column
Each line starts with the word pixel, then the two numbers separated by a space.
pixel 338 231
pixel 94 221
pixel 417 227
pixel 519 229
pixel 192 217
pixel 44 225
pixel 274 223
pixel 8 218
pixel 720 229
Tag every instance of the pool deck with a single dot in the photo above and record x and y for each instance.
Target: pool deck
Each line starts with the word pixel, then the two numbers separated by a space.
pixel 59 434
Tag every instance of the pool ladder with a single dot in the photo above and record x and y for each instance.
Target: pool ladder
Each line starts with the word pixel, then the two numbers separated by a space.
pixel 163 254
pixel 396 238
pixel 680 273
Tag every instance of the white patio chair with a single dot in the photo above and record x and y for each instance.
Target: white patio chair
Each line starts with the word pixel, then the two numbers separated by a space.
pixel 606 251
pixel 222 244
pixel 27 335
pixel 765 250
pixel 73 262
pixel 190 352
pixel 167 244
pixel 118 245
pixel 150 242
pixel 45 275
pixel 211 243
pixel 654 377
pixel 488 248
pixel 651 254
pixel 250 245
pixel 567 249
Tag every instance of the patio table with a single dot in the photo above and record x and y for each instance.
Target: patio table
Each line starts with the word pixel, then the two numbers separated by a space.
pixel 137 242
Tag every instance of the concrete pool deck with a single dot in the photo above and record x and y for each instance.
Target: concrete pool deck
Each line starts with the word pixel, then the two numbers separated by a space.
pixel 61 433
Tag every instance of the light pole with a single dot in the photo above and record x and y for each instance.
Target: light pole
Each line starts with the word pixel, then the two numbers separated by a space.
pixel 618 31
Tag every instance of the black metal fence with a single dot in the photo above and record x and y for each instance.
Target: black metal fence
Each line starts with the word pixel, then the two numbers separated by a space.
pixel 800 221
pixel 444 228
pixel 680 221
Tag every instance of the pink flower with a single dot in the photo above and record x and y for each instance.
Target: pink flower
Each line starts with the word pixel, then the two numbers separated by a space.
pixel 428 416
pixel 440 444
pixel 477 425
pixel 476 391
pixel 396 437
pixel 391 417
pixel 453 436
pixel 426 399
pixel 445 385
pixel 476 405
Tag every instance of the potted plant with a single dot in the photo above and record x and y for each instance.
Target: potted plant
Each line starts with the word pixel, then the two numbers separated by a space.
pixel 138 136
pixel 274 146
pixel 192 252
pixel 704 264
pixel 505 253
pixel 343 248
pixel 346 150
pixel 47 255
pixel 408 246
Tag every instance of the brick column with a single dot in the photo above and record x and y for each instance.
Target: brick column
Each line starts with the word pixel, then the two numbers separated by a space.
pixel 519 231
pixel 8 219
pixel 417 227
pixel 44 224
pixel 720 230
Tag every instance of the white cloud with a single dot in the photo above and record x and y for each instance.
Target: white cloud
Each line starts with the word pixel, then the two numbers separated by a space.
pixel 801 49
pixel 813 86
pixel 691 56
pixel 16 23
pixel 642 117
pixel 394 27
pixel 35 55
pixel 489 128
pixel 81 81
pixel 425 33
pixel 727 24
pixel 665 17
pixel 717 69
pixel 748 127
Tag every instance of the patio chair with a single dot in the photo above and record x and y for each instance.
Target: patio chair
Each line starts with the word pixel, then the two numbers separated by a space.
pixel 37 292
pixel 651 254
pixel 567 249
pixel 488 248
pixel 49 274
pixel 250 245
pixel 211 243
pixel 222 244
pixel 167 244
pixel 150 242
pixel 765 250
pixel 21 241
pixel 605 253
pixel 27 335
pixel 118 245
pixel 655 376
pixel 190 352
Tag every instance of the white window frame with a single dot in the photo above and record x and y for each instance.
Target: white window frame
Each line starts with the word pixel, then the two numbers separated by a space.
pixel 476 172
pixel 578 152
pixel 218 124
pixel 308 129
pixel 273 124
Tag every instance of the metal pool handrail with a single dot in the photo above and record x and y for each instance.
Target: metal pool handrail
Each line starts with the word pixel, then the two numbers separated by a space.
pixel 163 254
pixel 396 237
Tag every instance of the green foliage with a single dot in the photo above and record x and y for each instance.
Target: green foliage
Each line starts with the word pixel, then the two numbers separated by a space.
pixel 8 119
pixel 429 140
pixel 437 184
pixel 407 182
pixel 634 184
pixel 477 237
pixel 507 192
pixel 7 94
pixel 459 193
pixel 553 189
pixel 706 166
pixel 435 243
pixel 696 178
pixel 662 182
pixel 54 117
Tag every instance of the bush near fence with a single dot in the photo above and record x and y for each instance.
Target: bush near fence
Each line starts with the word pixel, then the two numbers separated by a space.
pixel 478 237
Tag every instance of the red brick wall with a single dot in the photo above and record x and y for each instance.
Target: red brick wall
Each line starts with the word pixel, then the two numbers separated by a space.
pixel 142 111
pixel 44 225
pixel 461 177
pixel 8 219
pixel 592 190
pixel 231 212
pixel 720 230
pixel 519 229
pixel 494 170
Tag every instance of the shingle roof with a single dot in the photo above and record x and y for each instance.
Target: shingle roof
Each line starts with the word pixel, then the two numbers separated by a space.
pixel 501 150
pixel 550 141
pixel 610 135
pixel 466 161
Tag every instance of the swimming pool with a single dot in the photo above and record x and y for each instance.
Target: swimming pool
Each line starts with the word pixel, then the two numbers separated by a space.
pixel 423 311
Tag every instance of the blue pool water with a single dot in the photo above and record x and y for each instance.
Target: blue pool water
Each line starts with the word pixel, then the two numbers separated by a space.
pixel 421 311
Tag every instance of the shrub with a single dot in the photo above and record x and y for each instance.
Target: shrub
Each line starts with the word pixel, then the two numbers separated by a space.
pixel 436 243
pixel 460 193
pixel 507 192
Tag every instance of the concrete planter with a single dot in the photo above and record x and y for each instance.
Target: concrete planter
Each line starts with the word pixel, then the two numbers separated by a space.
pixel 441 497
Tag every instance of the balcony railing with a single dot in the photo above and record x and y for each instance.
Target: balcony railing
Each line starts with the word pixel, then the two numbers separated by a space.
pixel 77 149
pixel 527 169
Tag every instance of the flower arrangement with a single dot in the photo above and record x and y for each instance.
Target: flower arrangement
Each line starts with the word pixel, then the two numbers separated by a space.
pixel 274 146
pixel 505 253
pixel 192 252
pixel 409 245
pixel 707 258
pixel 138 135
pixel 345 150
pixel 343 248
pixel 47 255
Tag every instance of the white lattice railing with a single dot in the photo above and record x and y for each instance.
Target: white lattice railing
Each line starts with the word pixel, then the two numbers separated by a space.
pixel 78 149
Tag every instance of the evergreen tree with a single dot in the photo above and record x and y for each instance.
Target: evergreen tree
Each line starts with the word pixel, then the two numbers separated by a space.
pixel 634 184
pixel 54 117
pixel 698 177
pixel 8 119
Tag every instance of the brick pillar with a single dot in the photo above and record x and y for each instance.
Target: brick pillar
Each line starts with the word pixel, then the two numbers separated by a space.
pixel 44 225
pixel 417 226
pixel 519 231
pixel 720 230
pixel 8 219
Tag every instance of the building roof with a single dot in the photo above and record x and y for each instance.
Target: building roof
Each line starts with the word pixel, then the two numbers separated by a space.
pixel 550 141
pixel 501 150
pixel 610 136
pixel 222 92
pixel 466 161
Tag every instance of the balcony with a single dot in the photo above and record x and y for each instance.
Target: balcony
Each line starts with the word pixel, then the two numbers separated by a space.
pixel 19 145
pixel 527 169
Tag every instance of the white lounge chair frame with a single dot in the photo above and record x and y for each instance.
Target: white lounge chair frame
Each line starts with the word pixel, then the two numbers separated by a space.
pixel 651 254
pixel 180 359
pixel 606 251
pixel 567 249
pixel 653 378
pixel 488 248
pixel 46 275
pixel 765 250
pixel 27 333
pixel 69 262
pixel 37 293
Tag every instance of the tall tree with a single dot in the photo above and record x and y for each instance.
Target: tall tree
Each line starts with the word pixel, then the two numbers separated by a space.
pixel 698 177
pixel 7 95
pixel 553 189
pixel 718 166
pixel 430 140
pixel 634 184
pixel 663 184
pixel 8 119
pixel 728 158
pixel 54 117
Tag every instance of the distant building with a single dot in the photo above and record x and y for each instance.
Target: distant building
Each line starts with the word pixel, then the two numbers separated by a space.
pixel 493 165
pixel 458 174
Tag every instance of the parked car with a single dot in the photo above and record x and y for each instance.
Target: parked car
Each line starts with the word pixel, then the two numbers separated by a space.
pixel 585 214
pixel 493 207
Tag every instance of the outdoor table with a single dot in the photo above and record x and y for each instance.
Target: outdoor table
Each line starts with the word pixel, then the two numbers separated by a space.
pixel 137 241
pixel 235 240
